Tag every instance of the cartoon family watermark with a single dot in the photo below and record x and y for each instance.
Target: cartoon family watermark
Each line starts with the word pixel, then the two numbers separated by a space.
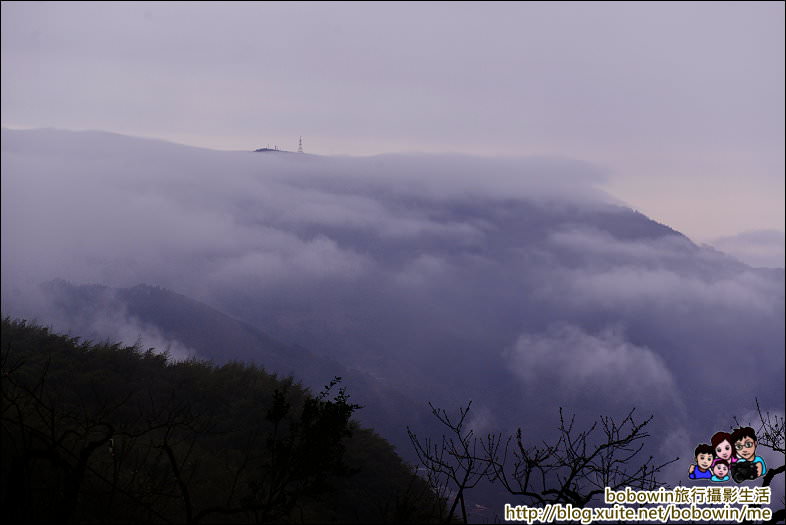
pixel 729 456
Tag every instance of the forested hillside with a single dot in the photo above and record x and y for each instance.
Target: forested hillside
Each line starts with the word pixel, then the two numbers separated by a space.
pixel 111 433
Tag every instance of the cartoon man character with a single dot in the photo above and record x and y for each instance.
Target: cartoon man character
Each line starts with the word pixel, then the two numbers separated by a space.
pixel 704 457
pixel 744 440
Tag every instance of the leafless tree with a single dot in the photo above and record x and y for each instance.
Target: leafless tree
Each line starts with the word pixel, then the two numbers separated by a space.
pixel 575 469
pixel 453 463
pixel 770 434
pixel 579 465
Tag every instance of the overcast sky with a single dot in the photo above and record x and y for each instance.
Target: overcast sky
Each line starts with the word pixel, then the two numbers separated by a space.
pixel 681 103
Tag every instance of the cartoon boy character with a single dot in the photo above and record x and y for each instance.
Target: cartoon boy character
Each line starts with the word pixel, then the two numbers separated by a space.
pixel 720 471
pixel 744 440
pixel 701 470
pixel 723 447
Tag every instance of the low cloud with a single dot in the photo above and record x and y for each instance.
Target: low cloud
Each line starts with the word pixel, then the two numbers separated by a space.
pixel 511 282
pixel 105 318
pixel 571 366
pixel 660 289
pixel 89 205
pixel 759 248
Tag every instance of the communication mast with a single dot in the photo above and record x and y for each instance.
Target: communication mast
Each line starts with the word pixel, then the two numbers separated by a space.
pixel 300 145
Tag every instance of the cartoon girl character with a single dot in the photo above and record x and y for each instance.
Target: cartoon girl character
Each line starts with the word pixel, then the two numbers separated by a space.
pixel 723 448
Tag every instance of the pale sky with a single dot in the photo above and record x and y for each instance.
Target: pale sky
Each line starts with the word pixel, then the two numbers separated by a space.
pixel 681 103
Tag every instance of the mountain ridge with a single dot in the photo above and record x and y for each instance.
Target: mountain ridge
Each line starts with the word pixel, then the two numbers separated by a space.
pixel 176 318
pixel 516 283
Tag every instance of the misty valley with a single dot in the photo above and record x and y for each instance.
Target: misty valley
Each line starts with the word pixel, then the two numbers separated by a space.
pixel 193 335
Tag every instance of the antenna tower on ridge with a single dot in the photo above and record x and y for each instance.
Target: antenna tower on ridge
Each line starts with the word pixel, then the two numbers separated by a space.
pixel 300 145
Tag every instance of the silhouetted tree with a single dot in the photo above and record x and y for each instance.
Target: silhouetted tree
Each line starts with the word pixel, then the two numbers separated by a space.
pixel 574 469
pixel 578 465
pixel 770 434
pixel 454 458
pixel 302 453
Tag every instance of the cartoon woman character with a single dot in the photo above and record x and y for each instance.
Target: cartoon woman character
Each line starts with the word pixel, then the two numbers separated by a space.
pixel 723 448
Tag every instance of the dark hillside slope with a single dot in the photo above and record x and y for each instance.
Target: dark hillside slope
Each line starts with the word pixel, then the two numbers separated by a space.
pixel 100 312
pixel 104 433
